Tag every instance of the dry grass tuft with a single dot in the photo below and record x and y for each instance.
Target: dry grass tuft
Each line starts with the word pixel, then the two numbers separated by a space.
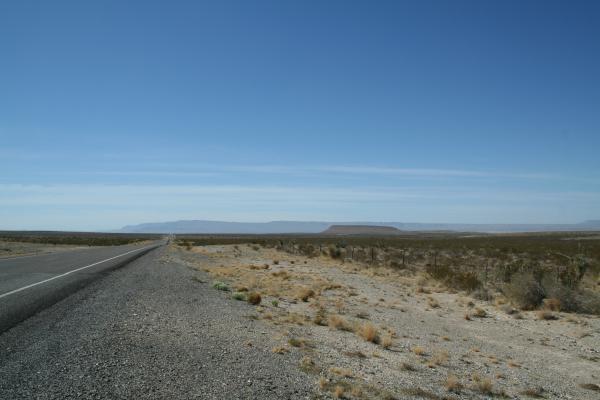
pixel 357 392
pixel 323 383
pixel 294 318
pixel 387 341
pixel 297 342
pixel 356 353
pixel 279 350
pixel 338 392
pixel 440 357
pixel 281 274
pixel 418 350
pixel 369 332
pixel 552 304
pixel 320 317
pixel 305 294
pixel 308 365
pixel 344 372
pixel 432 302
pixel 545 315
pixel 480 313
pixel 407 367
pixel 453 384
pixel 339 323
pixel 483 385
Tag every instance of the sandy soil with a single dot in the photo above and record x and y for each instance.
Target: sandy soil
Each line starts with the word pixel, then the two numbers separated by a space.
pixel 372 332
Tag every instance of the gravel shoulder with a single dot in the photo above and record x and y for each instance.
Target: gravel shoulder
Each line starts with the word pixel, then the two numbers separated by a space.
pixel 154 329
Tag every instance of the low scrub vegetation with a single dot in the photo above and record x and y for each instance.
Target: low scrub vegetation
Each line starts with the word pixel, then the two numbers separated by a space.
pixel 77 239
pixel 532 271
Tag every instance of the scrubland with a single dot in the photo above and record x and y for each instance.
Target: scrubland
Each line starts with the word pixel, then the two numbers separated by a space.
pixel 430 318
pixel 9 249
pixel 15 243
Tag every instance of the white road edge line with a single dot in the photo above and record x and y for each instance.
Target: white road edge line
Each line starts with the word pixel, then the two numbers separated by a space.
pixel 70 272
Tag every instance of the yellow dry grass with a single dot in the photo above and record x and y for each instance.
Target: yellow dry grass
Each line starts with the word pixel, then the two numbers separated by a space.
pixel 369 332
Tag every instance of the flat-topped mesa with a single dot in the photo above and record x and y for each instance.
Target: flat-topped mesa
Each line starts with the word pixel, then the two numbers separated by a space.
pixel 361 230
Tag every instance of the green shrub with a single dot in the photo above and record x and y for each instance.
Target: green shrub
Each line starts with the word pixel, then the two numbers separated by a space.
pixel 335 252
pixel 239 296
pixel 220 286
pixel 455 277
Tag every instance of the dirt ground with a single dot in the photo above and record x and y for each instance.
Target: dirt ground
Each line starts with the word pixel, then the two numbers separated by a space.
pixel 373 332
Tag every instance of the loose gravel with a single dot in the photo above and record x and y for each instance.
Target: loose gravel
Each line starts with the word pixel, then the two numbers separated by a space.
pixel 147 331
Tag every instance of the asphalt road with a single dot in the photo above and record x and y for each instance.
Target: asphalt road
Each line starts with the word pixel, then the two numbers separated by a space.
pixel 153 329
pixel 29 284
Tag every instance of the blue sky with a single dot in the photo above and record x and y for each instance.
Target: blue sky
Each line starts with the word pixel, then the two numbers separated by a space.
pixel 114 113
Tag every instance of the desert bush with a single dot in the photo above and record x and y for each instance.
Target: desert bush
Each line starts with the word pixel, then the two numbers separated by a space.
pixel 525 291
pixel 482 293
pixel 589 302
pixel 254 298
pixel 574 300
pixel 335 252
pixel 454 277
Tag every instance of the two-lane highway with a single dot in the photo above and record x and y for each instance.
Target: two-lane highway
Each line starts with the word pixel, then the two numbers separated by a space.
pixel 31 283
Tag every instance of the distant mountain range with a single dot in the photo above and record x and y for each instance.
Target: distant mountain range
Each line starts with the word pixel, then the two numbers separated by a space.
pixel 362 230
pixel 222 227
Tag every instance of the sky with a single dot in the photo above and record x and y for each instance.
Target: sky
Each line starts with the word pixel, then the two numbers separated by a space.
pixel 115 113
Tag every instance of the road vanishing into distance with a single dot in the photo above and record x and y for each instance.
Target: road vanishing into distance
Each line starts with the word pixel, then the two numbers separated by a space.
pixel 126 322
pixel 29 284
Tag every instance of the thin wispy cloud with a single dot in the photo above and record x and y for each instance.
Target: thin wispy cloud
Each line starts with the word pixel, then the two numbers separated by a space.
pixel 194 169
